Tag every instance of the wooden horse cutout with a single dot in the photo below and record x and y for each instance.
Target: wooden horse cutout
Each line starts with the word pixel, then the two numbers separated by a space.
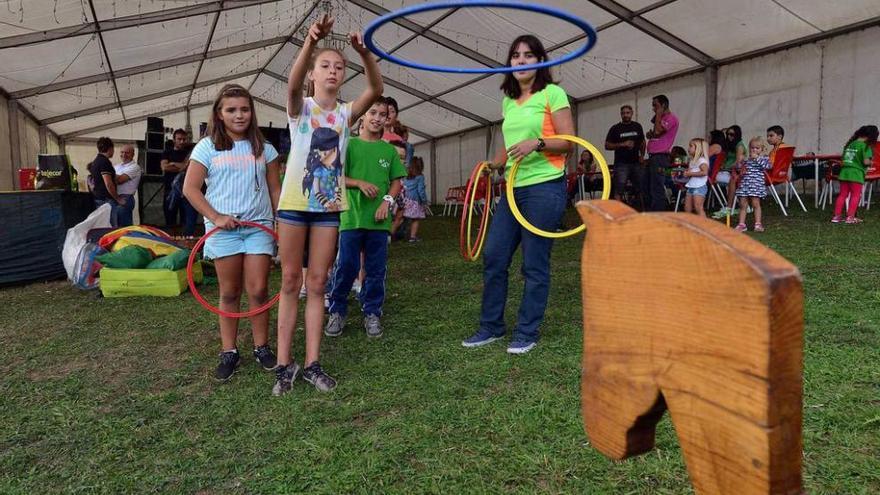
pixel 681 313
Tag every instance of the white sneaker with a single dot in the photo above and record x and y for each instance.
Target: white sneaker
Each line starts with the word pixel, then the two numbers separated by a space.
pixel 302 292
pixel 356 287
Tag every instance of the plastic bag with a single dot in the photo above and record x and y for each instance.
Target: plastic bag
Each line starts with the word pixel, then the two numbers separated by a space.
pixel 87 267
pixel 76 238
pixel 128 257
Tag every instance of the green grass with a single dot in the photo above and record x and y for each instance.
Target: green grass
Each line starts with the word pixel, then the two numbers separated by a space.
pixel 116 395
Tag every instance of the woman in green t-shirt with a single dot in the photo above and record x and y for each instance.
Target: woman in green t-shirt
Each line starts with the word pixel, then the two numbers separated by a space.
pixel 532 107
pixel 857 156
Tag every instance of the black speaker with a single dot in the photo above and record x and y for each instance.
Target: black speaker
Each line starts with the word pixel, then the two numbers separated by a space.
pixel 155 124
pixel 154 163
pixel 155 141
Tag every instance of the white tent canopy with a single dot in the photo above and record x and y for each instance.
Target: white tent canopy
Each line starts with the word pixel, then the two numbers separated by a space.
pixel 100 67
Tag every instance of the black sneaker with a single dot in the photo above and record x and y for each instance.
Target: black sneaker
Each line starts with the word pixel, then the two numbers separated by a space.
pixel 228 362
pixel 284 378
pixel 316 376
pixel 265 357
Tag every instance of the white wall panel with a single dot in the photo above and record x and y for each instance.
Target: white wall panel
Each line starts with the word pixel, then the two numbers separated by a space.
pixel 849 88
pixel 781 88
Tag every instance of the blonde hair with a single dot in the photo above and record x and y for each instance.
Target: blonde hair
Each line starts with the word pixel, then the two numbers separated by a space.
pixel 310 87
pixel 701 150
pixel 760 140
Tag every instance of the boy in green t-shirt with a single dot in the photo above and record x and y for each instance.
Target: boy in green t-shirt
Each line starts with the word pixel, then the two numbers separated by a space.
pixel 857 156
pixel 372 179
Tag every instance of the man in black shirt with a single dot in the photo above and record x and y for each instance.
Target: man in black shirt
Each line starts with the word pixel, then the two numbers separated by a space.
pixel 174 161
pixel 627 140
pixel 103 176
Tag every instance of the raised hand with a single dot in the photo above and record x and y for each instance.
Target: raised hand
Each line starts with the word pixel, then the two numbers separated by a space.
pixel 321 28
pixel 357 42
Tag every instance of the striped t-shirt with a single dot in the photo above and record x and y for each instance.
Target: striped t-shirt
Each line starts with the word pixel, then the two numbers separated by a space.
pixel 236 181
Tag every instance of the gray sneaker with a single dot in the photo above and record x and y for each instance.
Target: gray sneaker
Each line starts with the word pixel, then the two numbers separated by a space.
pixel 334 325
pixel 315 375
pixel 373 326
pixel 284 378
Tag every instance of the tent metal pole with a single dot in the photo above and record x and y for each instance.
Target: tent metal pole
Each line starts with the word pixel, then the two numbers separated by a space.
pixel 711 77
pixel 142 69
pixel 14 142
pixel 122 23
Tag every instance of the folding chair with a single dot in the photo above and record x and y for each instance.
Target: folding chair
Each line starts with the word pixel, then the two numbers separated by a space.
pixel 715 188
pixel 454 199
pixel 872 175
pixel 780 173
pixel 831 171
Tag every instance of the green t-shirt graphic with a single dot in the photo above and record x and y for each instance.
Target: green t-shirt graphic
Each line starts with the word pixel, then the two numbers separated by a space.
pixel 375 162
pixel 532 120
pixel 854 156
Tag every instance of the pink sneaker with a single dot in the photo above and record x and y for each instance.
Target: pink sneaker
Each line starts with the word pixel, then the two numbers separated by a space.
pixel 759 227
pixel 741 228
pixel 835 219
pixel 853 220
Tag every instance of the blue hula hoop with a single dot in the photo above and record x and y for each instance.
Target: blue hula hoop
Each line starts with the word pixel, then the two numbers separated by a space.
pixel 577 21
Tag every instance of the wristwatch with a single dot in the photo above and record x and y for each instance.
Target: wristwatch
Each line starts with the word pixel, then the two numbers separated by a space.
pixel 388 198
pixel 541 145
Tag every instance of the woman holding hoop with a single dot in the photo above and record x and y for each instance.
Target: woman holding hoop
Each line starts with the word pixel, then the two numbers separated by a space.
pixel 533 106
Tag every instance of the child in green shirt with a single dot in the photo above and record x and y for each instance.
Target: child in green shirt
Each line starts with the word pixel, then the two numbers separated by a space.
pixel 857 156
pixel 372 179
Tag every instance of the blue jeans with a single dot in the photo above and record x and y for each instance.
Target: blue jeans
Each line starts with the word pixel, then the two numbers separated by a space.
pixel 190 215
pixel 654 181
pixel 543 206
pixel 125 213
pixel 348 263
pixel 114 208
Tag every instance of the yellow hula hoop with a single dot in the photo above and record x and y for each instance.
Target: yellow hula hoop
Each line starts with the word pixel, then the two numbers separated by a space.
pixel 606 189
pixel 470 251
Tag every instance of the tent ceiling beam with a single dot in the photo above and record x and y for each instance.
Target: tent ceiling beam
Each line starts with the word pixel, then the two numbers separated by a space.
pixel 124 22
pixel 431 35
pixel 565 43
pixel 106 57
pixel 293 31
pixel 813 38
pixel 146 98
pixel 204 54
pixel 415 35
pixel 133 120
pixel 654 31
pixel 398 85
pixel 609 24
pixel 142 69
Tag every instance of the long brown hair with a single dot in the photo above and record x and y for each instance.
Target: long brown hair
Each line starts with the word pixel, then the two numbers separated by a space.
pixel 217 131
pixel 543 77
pixel 310 85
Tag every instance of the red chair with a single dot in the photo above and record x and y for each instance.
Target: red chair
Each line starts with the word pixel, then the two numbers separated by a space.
pixel 454 199
pixel 831 172
pixel 780 173
pixel 872 175
pixel 715 163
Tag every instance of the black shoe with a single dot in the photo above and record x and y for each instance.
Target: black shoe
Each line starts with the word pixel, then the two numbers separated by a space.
pixel 265 357
pixel 316 376
pixel 228 362
pixel 284 378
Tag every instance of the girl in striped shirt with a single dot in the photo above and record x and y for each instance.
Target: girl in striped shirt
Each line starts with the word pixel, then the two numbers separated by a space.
pixel 240 170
